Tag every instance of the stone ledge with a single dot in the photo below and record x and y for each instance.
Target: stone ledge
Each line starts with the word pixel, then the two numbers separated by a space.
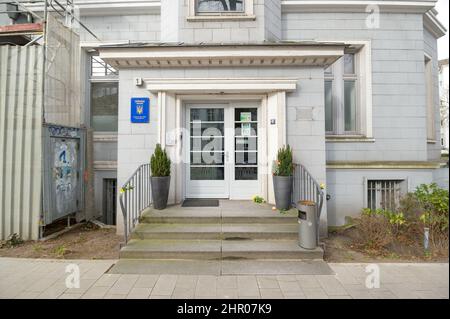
pixel 382 165
pixel 349 139
pixel 213 18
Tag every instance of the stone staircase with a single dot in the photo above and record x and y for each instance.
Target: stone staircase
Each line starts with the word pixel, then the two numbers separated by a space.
pixel 236 230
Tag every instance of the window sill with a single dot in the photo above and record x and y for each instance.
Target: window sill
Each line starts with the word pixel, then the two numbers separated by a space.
pixel 207 18
pixel 348 139
pixel 105 137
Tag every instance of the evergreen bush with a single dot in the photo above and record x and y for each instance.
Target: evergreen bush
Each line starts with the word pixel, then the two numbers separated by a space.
pixel 160 162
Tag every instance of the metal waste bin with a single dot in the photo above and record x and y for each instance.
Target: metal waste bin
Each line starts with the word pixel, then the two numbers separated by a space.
pixel 307 224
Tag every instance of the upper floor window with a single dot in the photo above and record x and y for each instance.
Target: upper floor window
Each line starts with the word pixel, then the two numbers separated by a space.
pixel 104 93
pixel 214 6
pixel 341 97
pixel 207 10
pixel 101 68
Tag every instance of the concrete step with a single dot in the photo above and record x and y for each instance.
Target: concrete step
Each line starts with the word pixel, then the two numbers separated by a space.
pixel 171 249
pixel 215 215
pixel 268 249
pixel 215 231
pixel 217 249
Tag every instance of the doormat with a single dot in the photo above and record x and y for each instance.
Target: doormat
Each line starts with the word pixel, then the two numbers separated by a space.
pixel 194 202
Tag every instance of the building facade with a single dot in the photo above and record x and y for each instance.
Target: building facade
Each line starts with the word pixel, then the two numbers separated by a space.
pixel 443 89
pixel 352 87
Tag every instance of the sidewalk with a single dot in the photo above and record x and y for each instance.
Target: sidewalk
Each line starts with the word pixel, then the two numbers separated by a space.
pixel 38 278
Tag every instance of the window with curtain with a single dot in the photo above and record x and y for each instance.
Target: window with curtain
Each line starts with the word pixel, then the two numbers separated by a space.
pixel 208 6
pixel 341 97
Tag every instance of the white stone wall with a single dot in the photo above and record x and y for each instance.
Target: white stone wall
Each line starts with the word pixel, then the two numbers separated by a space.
pixel 399 108
pixel 119 28
pixel 347 188
pixel 305 109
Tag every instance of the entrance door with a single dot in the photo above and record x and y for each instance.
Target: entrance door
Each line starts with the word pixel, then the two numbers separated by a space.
pixel 222 151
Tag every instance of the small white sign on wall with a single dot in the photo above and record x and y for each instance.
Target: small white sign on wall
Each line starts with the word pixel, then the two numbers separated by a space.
pixel 171 139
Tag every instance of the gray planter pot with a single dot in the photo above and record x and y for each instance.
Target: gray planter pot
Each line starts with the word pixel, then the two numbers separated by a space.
pixel 283 188
pixel 160 191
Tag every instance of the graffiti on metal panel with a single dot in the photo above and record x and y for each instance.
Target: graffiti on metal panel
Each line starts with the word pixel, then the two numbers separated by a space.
pixel 62 131
pixel 65 175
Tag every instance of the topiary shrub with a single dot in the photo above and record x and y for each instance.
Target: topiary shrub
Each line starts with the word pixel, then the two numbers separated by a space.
pixel 160 162
pixel 284 165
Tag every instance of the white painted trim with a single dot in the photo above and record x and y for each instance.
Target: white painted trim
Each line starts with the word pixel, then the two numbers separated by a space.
pixel 229 51
pixel 218 85
pixel 432 24
pixel 221 18
pixel 364 56
pixel 108 7
pixel 322 54
pixel 348 139
pixel 248 13
pixel 381 165
pixel 118 7
pixel 355 6
pixel 276 136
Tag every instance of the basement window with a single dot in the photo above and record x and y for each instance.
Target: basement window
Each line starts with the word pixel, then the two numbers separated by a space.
pixel 385 194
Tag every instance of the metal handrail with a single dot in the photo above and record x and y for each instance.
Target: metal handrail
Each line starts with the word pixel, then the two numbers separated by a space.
pixel 135 196
pixel 306 188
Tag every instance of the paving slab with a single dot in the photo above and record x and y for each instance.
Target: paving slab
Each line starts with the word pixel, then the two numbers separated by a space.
pixel 268 249
pixel 275 267
pixel 260 231
pixel 174 267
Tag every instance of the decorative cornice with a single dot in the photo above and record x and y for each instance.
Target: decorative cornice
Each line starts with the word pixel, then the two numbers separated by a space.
pixel 109 7
pixel 356 6
pixel 381 165
pixel 119 7
pixel 432 24
pixel 220 85
pixel 229 55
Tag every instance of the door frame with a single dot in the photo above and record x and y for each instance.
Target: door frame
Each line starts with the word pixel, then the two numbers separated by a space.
pixel 187 149
pixel 256 187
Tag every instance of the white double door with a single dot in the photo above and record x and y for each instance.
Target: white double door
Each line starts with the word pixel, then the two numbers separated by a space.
pixel 222 157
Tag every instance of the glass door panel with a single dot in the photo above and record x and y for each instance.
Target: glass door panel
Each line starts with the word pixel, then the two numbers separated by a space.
pixel 207 148
pixel 246 144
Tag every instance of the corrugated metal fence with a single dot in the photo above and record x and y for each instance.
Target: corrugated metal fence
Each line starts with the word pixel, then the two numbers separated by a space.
pixel 20 140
